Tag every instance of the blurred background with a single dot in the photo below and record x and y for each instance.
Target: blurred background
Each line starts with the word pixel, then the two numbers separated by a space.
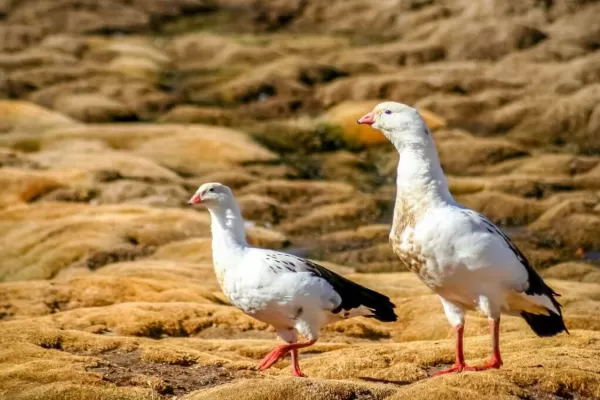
pixel 113 112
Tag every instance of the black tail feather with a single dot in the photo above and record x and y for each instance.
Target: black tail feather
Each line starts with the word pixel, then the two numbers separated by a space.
pixel 382 307
pixel 354 296
pixel 545 325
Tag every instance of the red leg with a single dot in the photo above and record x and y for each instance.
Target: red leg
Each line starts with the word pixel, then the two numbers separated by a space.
pixel 271 354
pixel 280 351
pixel 295 366
pixel 459 365
pixel 496 361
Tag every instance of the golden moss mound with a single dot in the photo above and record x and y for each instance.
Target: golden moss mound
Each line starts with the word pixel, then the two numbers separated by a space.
pixel 137 330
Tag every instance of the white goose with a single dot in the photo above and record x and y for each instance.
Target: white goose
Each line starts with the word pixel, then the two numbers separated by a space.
pixel 457 252
pixel 292 294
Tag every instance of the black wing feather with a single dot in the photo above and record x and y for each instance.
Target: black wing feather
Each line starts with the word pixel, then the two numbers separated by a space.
pixel 542 325
pixel 352 294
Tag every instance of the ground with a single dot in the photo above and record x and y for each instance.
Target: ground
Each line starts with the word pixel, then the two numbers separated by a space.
pixel 113 113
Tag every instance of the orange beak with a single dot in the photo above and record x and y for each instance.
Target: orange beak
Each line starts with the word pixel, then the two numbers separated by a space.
pixel 195 199
pixel 367 119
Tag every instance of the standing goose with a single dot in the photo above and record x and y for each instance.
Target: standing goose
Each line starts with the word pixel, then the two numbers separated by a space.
pixel 457 252
pixel 290 293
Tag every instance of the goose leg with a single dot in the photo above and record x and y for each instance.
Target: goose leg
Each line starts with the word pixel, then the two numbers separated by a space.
pixel 295 366
pixel 496 361
pixel 459 364
pixel 280 351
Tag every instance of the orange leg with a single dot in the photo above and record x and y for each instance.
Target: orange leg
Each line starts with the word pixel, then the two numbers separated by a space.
pixel 459 365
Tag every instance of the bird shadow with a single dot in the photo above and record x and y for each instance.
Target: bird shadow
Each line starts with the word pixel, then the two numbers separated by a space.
pixel 377 380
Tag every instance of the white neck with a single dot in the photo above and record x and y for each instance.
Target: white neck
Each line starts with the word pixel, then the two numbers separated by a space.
pixel 420 175
pixel 227 226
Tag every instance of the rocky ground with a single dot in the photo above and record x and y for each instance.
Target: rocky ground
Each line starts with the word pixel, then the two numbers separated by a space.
pixel 115 111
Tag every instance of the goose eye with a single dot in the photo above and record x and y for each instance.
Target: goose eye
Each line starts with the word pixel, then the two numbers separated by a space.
pixel 211 190
pixel 388 111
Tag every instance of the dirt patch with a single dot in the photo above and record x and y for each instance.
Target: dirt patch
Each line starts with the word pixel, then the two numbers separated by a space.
pixel 129 369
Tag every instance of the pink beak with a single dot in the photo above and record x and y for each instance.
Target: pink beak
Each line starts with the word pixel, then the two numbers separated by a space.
pixel 368 119
pixel 195 199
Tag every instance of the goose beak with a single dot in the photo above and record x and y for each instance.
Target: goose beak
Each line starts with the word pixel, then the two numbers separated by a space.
pixel 195 200
pixel 367 119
